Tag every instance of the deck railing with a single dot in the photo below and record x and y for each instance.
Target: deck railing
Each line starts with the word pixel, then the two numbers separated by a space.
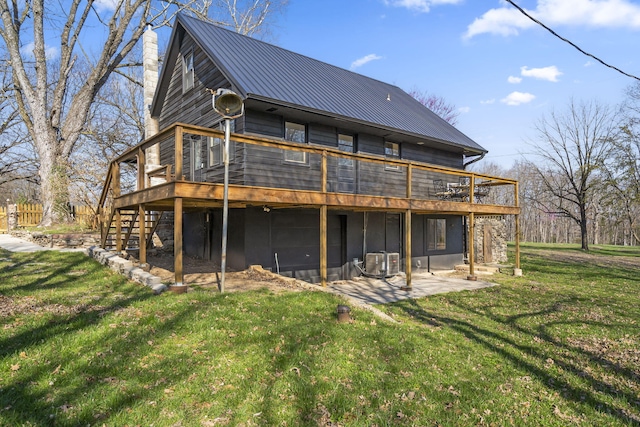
pixel 192 154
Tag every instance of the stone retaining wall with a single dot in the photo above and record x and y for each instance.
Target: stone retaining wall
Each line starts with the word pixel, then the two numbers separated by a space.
pixel 126 268
pixel 64 240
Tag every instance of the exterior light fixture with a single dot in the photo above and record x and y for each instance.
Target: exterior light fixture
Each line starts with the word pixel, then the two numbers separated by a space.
pixel 228 103
pixel 230 106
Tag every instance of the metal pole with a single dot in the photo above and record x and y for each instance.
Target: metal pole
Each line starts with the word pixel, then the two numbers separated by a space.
pixel 225 203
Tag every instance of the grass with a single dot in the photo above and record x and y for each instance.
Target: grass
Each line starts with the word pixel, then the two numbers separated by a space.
pixel 559 346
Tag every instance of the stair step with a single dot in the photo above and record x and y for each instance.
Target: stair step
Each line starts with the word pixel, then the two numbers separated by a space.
pixel 479 268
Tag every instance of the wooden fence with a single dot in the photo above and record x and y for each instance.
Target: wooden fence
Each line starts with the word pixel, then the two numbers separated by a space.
pixel 4 219
pixel 30 215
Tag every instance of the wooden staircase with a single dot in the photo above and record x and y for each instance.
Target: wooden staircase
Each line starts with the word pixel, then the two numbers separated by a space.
pixel 129 229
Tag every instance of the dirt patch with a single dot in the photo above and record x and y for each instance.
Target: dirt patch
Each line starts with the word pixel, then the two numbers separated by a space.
pixel 205 274
pixel 28 305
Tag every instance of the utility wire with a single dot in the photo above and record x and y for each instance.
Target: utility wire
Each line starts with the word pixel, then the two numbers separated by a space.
pixel 570 42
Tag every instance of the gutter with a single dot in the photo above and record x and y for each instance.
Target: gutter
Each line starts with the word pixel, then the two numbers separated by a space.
pixel 477 159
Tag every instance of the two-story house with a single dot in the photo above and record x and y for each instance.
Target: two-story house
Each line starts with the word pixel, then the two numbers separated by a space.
pixel 326 165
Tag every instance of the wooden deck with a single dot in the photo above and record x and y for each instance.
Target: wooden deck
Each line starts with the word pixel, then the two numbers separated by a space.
pixel 170 186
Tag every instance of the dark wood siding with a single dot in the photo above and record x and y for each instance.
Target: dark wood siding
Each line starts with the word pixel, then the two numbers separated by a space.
pixel 370 144
pixel 323 135
pixel 265 166
pixel 265 124
pixel 195 105
pixel 424 154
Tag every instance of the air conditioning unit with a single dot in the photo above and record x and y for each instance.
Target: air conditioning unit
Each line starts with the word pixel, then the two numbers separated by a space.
pixel 382 263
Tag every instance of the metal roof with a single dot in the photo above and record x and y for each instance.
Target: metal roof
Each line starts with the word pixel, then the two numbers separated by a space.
pixel 263 71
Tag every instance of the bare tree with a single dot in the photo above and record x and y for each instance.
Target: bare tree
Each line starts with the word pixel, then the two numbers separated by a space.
pixel 115 122
pixel 623 177
pixel 573 146
pixel 248 17
pixel 15 160
pixel 436 104
pixel 56 85
pixel 54 109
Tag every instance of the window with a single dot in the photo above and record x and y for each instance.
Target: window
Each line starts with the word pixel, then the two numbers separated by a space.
pixel 197 156
pixel 436 234
pixel 216 146
pixel 345 143
pixel 215 151
pixel 295 132
pixel 187 72
pixel 391 151
pixel 196 147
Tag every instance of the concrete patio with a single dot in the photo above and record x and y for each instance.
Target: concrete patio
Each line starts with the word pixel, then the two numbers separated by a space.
pixel 378 291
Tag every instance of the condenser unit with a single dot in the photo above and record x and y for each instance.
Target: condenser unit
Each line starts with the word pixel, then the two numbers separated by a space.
pixel 382 263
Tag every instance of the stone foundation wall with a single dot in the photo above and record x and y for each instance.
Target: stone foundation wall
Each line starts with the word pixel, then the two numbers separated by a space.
pixel 66 240
pixel 494 230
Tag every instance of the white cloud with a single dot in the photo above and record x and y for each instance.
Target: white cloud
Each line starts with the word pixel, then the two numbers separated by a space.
pixel 517 98
pixel 547 73
pixel 588 64
pixel 464 110
pixel 419 5
pixel 361 61
pixel 105 5
pixel 488 101
pixel 514 79
pixel 507 20
pixel 502 22
pixel 49 52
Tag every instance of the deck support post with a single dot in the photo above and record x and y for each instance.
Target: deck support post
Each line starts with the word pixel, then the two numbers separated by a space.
pixel 323 223
pixel 142 159
pixel 177 241
pixel 118 218
pixel 517 271
pixel 407 249
pixel 179 152
pixel 142 234
pixel 115 179
pixel 472 255
pixel 323 245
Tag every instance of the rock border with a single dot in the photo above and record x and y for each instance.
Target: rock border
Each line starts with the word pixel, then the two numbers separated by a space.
pixel 125 267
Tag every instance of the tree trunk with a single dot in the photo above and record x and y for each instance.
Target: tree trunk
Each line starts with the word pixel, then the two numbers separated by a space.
pixel 54 188
pixel 583 228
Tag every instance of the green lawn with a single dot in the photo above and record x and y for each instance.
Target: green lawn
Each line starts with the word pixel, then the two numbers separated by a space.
pixel 560 346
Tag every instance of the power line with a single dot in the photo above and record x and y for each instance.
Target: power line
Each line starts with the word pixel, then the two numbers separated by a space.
pixel 570 42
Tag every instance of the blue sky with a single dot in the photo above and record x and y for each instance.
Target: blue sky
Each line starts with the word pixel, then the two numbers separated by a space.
pixel 502 71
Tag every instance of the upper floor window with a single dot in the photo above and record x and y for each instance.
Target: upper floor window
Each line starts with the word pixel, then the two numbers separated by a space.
pixel 187 71
pixel 216 145
pixel 345 143
pixel 295 132
pixel 391 151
